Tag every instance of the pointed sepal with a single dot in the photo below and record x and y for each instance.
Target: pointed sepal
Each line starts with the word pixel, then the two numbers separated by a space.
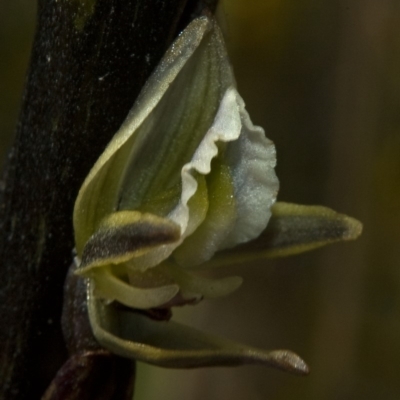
pixel 294 229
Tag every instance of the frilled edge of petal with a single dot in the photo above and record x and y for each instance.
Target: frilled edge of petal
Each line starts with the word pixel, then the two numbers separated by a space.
pixel 243 193
pixel 173 345
pixel 225 128
pixel 252 159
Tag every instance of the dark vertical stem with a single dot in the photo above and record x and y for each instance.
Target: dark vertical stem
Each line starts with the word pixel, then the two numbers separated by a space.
pixel 89 61
pixel 95 375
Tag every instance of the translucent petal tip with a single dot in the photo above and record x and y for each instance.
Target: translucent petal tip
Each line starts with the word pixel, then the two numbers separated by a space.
pixel 289 361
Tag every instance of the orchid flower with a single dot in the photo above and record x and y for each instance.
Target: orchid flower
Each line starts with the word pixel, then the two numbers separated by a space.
pixel 187 182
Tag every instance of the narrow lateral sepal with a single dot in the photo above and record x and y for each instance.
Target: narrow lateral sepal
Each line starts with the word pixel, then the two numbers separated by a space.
pixel 125 235
pixel 294 229
pixel 173 345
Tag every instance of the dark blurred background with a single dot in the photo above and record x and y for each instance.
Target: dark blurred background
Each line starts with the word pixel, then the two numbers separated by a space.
pixel 322 77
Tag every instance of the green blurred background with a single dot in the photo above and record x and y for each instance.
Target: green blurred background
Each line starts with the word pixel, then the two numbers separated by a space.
pixel 322 77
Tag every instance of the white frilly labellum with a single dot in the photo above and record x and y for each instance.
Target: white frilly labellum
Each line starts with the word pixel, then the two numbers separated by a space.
pixel 188 154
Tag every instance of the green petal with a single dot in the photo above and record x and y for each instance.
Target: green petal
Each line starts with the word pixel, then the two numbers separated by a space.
pixel 173 345
pixel 293 229
pixel 208 288
pixel 125 235
pixel 109 286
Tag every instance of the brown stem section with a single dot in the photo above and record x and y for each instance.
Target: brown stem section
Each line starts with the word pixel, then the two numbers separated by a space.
pixel 93 375
pixel 89 61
